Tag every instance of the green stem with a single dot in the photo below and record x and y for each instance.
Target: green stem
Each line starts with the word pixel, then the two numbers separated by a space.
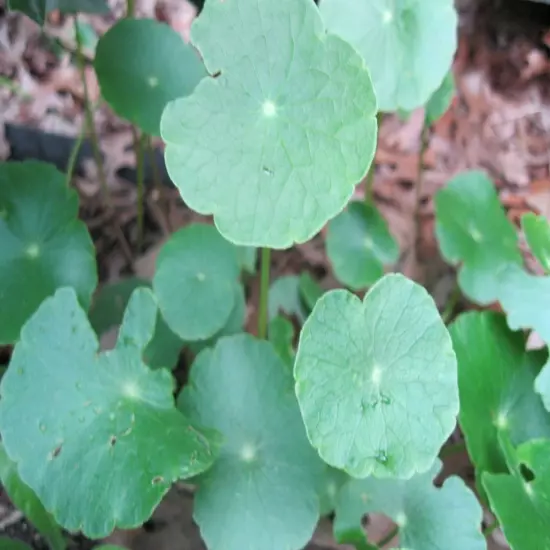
pixel 130 8
pixel 264 291
pixel 74 155
pixel 447 314
pixel 139 146
pixel 154 166
pixel 369 182
pixel 387 538
pixel 424 141
pixel 452 449
pixel 490 528
pixel 89 115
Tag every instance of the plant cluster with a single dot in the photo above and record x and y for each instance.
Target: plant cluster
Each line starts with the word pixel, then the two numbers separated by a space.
pixel 269 130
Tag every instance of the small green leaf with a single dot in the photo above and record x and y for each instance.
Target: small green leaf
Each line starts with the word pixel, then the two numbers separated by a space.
pixel 359 244
pixel 37 10
pixel 96 436
pixel 522 505
pixel 23 498
pixel 441 100
pixel 429 518
pixel 537 234
pixel 264 485
pixel 472 229
pixel 107 311
pixel 495 378
pixel 281 335
pixel 197 272
pixel 247 256
pixel 139 77
pixel 284 297
pixel 408 46
pixel 377 380
pixel 270 148
pixel 310 290
pixel 331 483
pixel 13 544
pixel 43 246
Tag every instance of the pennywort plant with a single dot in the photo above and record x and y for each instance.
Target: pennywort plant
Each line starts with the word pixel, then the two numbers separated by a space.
pixel 270 122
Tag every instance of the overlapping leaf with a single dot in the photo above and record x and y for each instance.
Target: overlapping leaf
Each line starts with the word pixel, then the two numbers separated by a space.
pixel 270 146
pixel 96 436
pixel 39 9
pixel 196 281
pixel 359 245
pixel 408 46
pixel 310 290
pixel 440 100
pixel 281 335
pixel 377 380
pixel 284 297
pixel 429 518
pixel 43 246
pixel 473 230
pixel 138 77
pixel 263 489
pixel 537 233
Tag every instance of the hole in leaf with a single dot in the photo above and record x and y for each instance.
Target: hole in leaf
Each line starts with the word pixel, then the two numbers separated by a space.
pixel 526 473
pixel 157 479
pixel 56 452
pixel 112 441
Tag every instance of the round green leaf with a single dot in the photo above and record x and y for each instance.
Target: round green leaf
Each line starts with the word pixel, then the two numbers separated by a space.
pixel 537 234
pixel 142 65
pixel 441 100
pixel 429 518
pixel 472 229
pixel 408 45
pixel 274 145
pixel 376 380
pixel 43 246
pixel 263 487
pixel 521 505
pixel 197 272
pixel 284 297
pixel 495 378
pixel 22 497
pixel 107 312
pixel 359 244
pixel 97 437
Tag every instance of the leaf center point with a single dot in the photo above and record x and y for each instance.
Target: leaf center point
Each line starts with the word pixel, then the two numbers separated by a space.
pixel 32 251
pixel 269 108
pixel 248 453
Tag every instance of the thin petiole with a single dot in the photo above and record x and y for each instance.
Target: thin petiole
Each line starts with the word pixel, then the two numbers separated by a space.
pixel 264 291
pixel 369 182
pixel 74 155
pixel 139 147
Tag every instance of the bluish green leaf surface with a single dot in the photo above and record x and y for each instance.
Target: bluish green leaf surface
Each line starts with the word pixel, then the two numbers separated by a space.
pixel 408 45
pixel 275 144
pixel 263 489
pixel 440 100
pixel 377 380
pixel 284 297
pixel 96 436
pixel 310 290
pixel 537 234
pixel 281 335
pixel 139 77
pixel 473 230
pixel 43 246
pixel 247 256
pixel 448 518
pixel 195 280
pixel 359 245
pixel 24 499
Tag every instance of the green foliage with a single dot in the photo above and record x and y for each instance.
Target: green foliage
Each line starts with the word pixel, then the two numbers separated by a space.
pixel 407 45
pixel 521 500
pixel 281 335
pixel 284 297
pixel 270 148
pixel 43 246
pixel 473 230
pixel 537 233
pixel 27 502
pixel 440 101
pixel 359 245
pixel 376 380
pixel 39 9
pixel 310 290
pixel 195 281
pixel 107 312
pixel 11 544
pixel 267 474
pixel 97 437
pixel 141 66
pixel 429 518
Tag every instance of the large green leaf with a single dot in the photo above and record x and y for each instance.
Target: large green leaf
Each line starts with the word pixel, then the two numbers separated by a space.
pixel 377 380
pixel 537 234
pixel 39 9
pixel 27 502
pixel 472 229
pixel 359 245
pixel 495 378
pixel 408 45
pixel 197 272
pixel 142 65
pixel 107 311
pixel 96 436
pixel 522 504
pixel 429 518
pixel 263 489
pixel 43 246
pixel 274 145
pixel 440 100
